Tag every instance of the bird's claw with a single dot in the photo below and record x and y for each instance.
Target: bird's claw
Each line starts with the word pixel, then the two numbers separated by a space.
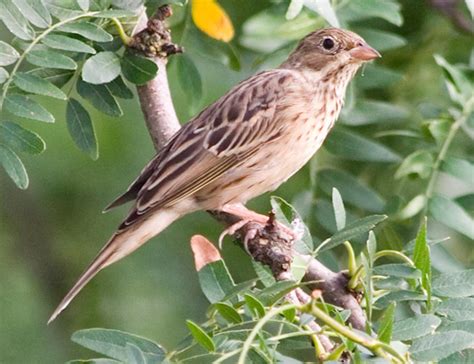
pixel 231 231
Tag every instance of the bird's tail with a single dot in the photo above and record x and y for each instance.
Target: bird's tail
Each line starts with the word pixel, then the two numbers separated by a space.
pixel 119 246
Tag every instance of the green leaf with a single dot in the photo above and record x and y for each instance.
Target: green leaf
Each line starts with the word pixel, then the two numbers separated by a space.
pixel 84 4
pixel 15 21
pixel 94 361
pixel 459 168
pixel 88 30
pixel 8 54
pixel 18 138
pixel 466 202
pixel 100 97
pixel 353 190
pixel 457 309
pixel 369 112
pixel 461 357
pixel 412 208
pixel 228 312
pixel 50 59
pixel 380 39
pixel 138 70
pixel 3 75
pixel 216 281
pixel 461 89
pixel 386 324
pixel 294 9
pixel 339 210
pixel 81 129
pixel 397 270
pixel 270 295
pixel 114 13
pixel 418 163
pixel 349 145
pixel 438 346
pixel 57 77
pixel 460 325
pixel 378 77
pixel 189 78
pixel 26 107
pixel 263 273
pixel 36 85
pixel 256 307
pixel 456 284
pixel 35 12
pixel 118 88
pixel 63 42
pixel 451 214
pixel 439 130
pixel 354 229
pixel 324 8
pixel 399 296
pixel 64 9
pixel 135 355
pixel 371 248
pixel 101 68
pixel 422 258
pixel 13 166
pixel 113 343
pixel 364 9
pixel 415 327
pixel 201 337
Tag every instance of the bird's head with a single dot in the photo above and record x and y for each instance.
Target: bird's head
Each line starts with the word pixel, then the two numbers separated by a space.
pixel 331 48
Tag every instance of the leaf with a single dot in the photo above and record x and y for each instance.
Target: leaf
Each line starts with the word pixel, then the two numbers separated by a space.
pixel 462 88
pixel 114 13
pixel 456 284
pixel 461 357
pixel 256 307
pixel 369 112
pixel 3 75
pixel 353 230
pixel 466 202
pixel 353 191
pixel 88 30
pixel 418 163
pixel 339 210
pixel 26 107
pixel 216 281
pixel 201 337
pixel 189 78
pixel 438 346
pixel 371 248
pixel 80 128
pixel 118 88
pixel 18 138
pixel 94 361
pixel 15 21
pixel 294 9
pixel 349 145
pixel 381 40
pixel 397 270
pixel 415 327
pixel 138 70
pixel 51 59
pixel 101 68
pixel 399 296
pixel 63 42
pixel 386 324
pixel 36 85
pixel 457 309
pixel 100 97
pixel 439 130
pixel 14 167
pixel 459 168
pixel 84 4
pixel 270 295
pixel 323 8
pixel 364 9
pixel 113 343
pixel 412 208
pixel 57 77
pixel 63 9
pixel 212 20
pixel 228 312
pixel 8 54
pixel 35 12
pixel 451 214
pixel 264 273
pixel 459 325
pixel 135 355
pixel 422 258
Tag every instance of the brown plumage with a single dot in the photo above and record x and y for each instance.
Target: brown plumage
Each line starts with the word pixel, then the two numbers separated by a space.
pixel 246 143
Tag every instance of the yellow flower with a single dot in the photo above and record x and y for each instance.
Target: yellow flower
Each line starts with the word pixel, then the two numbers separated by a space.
pixel 212 19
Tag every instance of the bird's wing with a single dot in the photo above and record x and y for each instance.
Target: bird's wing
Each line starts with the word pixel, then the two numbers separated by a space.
pixel 218 139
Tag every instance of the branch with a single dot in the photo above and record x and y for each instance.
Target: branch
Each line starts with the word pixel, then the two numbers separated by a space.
pixel 266 240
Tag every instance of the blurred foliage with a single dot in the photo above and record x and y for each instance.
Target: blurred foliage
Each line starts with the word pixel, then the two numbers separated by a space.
pixel 403 148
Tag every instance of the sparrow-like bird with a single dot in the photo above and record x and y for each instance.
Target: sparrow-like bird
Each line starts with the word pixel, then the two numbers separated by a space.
pixel 246 143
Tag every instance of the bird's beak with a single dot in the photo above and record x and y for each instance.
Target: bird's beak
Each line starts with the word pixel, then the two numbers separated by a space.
pixel 364 52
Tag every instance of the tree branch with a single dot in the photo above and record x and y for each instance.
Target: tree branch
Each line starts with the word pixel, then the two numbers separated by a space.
pixel 266 240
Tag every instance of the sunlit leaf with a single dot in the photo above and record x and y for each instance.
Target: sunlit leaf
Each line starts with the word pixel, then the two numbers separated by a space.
pixel 56 76
pixel 88 30
pixel 58 41
pixel 456 284
pixel 418 163
pixel 80 128
pixel 50 59
pixel 459 168
pixel 101 68
pixel 363 9
pixel 399 296
pixel 397 270
pixel 438 346
pixel 451 214
pixel 381 40
pixel 412 208
pixel 325 9
pixel 212 19
pixel 422 258
pixel 63 9
pixel 457 309
pixel 26 107
pixel 14 20
pixel 256 307
pixel 386 324
pixel 339 210
pixel 216 281
pixel 37 85
pixel 18 138
pixel 3 75
pixel 35 12
pixel 201 337
pixel 415 327
pixel 228 312
pixel 8 54
pixel 13 166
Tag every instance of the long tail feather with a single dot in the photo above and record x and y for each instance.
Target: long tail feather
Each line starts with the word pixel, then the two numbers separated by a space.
pixel 119 246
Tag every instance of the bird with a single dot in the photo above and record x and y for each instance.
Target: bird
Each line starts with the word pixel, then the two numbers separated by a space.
pixel 246 143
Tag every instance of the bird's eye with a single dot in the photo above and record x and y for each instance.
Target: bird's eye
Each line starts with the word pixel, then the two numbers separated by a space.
pixel 328 44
